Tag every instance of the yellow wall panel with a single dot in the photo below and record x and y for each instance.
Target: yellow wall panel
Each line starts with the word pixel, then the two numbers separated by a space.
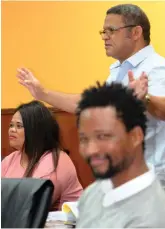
pixel 60 43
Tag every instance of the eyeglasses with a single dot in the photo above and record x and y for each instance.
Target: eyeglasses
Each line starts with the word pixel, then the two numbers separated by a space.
pixel 109 31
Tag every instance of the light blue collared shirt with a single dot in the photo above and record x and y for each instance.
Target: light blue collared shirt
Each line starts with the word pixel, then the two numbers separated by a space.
pixel 153 65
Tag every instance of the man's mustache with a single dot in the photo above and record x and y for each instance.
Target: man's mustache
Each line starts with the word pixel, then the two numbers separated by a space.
pixel 105 156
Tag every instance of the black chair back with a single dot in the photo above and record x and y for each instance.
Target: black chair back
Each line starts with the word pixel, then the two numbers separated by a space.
pixel 25 203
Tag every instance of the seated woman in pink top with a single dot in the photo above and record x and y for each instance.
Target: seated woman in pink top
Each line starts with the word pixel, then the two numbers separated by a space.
pixel 34 133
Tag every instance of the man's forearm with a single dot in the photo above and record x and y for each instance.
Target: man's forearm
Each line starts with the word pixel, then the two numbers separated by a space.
pixel 61 101
pixel 156 107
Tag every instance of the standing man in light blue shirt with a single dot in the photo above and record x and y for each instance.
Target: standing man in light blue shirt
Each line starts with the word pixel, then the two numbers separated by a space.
pixel 143 59
pixel 126 35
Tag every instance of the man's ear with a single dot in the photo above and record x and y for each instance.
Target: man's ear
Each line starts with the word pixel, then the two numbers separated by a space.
pixel 137 32
pixel 136 136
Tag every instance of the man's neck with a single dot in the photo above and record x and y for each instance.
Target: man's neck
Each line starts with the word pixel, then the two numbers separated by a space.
pixel 129 174
pixel 136 49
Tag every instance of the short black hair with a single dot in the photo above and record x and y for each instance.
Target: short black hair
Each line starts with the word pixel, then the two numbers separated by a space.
pixel 129 109
pixel 41 133
pixel 133 15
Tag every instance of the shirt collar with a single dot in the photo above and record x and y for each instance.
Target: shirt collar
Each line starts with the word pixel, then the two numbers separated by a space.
pixel 132 187
pixel 137 58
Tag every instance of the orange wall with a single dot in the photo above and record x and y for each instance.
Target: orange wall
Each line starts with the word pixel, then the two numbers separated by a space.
pixel 59 41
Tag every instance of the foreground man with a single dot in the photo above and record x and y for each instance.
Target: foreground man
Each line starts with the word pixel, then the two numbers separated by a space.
pixel 127 194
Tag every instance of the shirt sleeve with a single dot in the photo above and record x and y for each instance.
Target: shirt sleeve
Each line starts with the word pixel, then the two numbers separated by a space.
pixel 156 84
pixel 71 188
pixel 6 163
pixel 66 184
pixel 57 190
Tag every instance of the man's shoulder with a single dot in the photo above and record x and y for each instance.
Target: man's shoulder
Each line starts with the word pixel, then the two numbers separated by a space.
pixel 152 198
pixel 152 65
pixel 159 191
pixel 92 187
pixel 90 191
pixel 155 60
pixel 153 211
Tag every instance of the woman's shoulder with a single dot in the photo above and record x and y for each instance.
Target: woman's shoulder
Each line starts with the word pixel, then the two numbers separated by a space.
pixel 65 161
pixel 66 167
pixel 12 156
pixel 46 165
pixel 48 158
pixel 8 161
